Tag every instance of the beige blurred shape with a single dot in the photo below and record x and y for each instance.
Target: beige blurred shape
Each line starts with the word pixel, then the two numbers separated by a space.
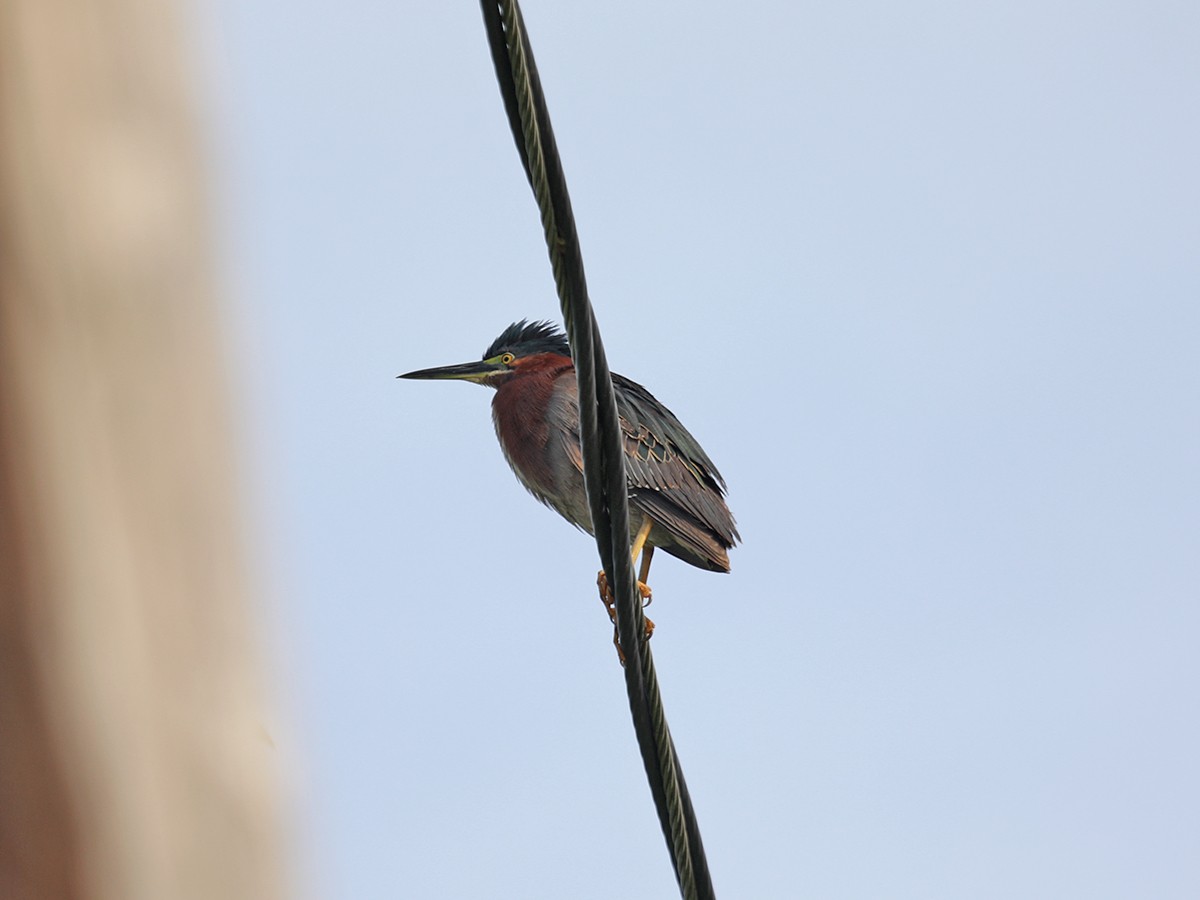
pixel 133 764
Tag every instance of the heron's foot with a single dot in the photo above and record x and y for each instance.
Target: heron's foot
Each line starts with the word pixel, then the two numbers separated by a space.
pixel 610 601
pixel 610 604
pixel 617 638
pixel 649 627
pixel 606 595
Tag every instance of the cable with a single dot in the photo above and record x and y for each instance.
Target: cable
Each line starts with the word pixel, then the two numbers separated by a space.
pixel 600 434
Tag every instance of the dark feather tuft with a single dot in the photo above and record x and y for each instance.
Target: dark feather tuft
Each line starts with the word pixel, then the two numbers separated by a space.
pixel 528 339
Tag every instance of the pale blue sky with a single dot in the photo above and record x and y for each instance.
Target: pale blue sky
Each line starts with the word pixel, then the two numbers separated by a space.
pixel 924 278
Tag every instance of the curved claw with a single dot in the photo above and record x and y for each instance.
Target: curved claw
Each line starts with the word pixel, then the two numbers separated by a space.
pixel 610 605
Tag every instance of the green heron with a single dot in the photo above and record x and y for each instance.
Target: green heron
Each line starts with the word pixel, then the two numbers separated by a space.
pixel 676 494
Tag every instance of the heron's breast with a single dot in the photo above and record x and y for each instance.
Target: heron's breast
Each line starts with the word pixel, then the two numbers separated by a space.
pixel 537 425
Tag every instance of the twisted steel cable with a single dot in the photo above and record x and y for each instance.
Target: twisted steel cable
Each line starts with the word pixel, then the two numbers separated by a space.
pixel 600 433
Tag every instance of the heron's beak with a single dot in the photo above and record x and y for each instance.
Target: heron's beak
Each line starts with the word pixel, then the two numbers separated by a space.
pixel 478 372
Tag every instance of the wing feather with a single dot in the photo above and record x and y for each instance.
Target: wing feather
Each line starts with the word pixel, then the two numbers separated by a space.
pixel 670 478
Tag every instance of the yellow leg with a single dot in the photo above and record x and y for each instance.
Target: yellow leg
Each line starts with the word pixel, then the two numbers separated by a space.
pixel 640 540
pixel 644 574
pixel 639 544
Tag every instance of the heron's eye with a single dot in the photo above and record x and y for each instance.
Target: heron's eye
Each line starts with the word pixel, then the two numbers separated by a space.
pixel 506 359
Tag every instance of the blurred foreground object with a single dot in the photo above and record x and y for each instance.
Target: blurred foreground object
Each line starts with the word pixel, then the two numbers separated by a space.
pixel 133 762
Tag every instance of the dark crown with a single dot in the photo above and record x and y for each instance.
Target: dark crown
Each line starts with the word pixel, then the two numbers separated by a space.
pixel 528 339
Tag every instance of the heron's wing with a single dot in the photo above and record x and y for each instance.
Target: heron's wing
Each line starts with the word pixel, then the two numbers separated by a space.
pixel 668 471
pixel 670 476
